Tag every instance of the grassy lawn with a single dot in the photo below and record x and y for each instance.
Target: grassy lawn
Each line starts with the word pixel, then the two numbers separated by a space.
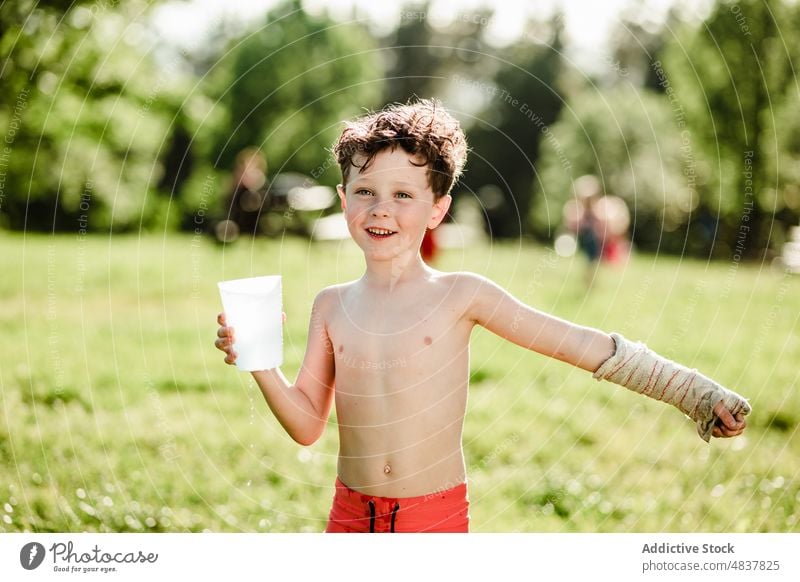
pixel 118 413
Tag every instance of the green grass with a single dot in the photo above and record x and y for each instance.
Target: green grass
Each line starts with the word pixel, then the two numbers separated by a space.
pixel 119 415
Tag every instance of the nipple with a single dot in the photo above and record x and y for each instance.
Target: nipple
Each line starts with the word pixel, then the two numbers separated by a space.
pixel 387 469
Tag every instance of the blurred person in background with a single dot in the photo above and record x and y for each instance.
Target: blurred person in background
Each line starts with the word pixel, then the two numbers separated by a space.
pixel 599 224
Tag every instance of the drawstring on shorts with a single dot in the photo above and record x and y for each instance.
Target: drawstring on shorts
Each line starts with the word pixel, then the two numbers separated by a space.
pixel 395 509
pixel 394 514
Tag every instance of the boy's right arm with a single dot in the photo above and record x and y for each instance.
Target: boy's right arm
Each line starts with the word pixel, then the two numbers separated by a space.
pixel 302 408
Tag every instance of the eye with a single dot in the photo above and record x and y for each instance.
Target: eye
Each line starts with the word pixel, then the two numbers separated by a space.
pixel 403 195
pixel 363 192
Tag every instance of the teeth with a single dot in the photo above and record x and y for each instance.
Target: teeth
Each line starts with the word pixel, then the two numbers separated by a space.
pixel 379 231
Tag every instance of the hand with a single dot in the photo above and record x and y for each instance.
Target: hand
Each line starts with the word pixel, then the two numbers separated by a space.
pixel 225 339
pixel 727 425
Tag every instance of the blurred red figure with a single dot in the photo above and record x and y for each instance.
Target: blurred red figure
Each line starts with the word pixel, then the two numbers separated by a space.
pixel 599 224
pixel 429 248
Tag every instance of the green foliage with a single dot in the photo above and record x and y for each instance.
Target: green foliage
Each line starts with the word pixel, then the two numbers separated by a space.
pixel 106 128
pixel 288 84
pixel 87 119
pixel 512 128
pixel 119 415
pixel 733 76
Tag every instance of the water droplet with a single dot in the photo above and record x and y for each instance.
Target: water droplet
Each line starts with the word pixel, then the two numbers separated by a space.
pixel 132 522
pixel 739 443
pixel 574 487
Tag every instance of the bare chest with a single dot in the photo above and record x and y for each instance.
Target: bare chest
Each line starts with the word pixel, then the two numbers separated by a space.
pixel 390 345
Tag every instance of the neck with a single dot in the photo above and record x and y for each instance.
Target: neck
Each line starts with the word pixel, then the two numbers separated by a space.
pixel 389 274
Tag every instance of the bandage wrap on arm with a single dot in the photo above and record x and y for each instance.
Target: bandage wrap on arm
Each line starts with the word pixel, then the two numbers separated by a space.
pixel 640 369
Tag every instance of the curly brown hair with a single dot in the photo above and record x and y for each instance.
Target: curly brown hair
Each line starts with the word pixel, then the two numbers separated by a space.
pixel 422 128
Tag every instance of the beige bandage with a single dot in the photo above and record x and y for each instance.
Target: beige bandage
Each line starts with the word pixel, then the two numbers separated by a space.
pixel 638 368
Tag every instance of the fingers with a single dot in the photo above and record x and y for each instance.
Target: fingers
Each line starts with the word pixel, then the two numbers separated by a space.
pixel 225 340
pixel 724 416
pixel 223 343
pixel 225 332
pixel 728 425
pixel 721 432
pixel 726 419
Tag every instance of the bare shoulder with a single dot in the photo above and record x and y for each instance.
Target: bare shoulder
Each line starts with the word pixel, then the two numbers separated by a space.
pixel 479 297
pixel 466 288
pixel 467 282
pixel 330 298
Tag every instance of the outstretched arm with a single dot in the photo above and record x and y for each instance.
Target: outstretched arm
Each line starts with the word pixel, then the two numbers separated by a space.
pixel 498 311
pixel 302 408
pixel 718 412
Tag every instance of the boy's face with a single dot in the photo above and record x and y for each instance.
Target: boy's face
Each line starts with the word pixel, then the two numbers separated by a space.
pixel 389 205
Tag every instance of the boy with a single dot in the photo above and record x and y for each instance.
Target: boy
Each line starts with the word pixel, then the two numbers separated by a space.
pixel 401 464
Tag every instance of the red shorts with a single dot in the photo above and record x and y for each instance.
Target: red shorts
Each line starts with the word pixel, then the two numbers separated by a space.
pixel 442 511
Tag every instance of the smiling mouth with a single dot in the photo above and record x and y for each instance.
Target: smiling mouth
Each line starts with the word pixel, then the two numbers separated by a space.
pixel 380 232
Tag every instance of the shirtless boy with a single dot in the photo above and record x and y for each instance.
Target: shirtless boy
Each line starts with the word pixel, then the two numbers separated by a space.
pixel 400 426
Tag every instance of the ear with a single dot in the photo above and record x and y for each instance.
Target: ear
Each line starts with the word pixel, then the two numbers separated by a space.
pixel 342 196
pixel 440 208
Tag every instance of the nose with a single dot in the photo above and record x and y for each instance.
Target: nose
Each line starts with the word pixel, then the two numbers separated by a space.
pixel 379 210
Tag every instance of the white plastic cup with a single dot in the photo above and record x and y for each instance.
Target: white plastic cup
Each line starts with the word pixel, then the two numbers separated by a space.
pixel 253 308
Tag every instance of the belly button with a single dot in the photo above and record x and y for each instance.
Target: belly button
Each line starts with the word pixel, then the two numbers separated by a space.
pixel 387 469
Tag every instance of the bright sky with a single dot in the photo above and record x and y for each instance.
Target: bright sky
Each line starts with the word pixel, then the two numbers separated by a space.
pixel 587 22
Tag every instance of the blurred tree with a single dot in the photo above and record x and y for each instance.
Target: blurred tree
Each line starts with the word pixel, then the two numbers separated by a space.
pixel 638 41
pixel 286 86
pixel 505 140
pixel 414 62
pixel 734 78
pixel 422 59
pixel 85 116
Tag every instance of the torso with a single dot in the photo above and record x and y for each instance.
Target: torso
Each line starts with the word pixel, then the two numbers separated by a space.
pixel 402 370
